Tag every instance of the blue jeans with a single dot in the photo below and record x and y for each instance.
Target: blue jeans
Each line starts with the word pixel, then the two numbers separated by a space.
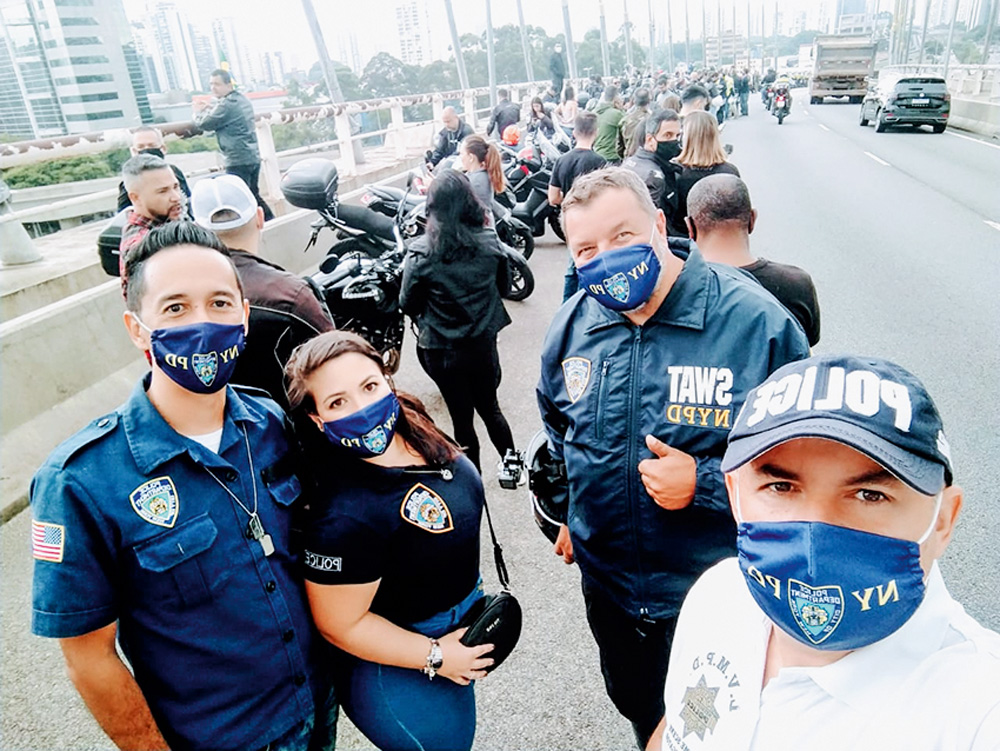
pixel 400 709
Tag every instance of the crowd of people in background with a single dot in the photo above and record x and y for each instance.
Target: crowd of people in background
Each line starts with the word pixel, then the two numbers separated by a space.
pixel 176 515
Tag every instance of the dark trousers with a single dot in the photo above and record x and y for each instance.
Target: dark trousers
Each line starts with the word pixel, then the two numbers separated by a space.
pixel 250 174
pixel 634 657
pixel 468 376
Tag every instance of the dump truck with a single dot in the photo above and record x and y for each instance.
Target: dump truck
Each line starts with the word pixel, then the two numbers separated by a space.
pixel 842 65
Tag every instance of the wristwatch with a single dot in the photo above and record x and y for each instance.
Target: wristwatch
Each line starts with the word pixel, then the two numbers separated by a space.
pixel 435 659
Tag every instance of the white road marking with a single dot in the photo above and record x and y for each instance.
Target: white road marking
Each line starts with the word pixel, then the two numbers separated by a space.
pixel 880 161
pixel 824 127
pixel 994 225
pixel 974 140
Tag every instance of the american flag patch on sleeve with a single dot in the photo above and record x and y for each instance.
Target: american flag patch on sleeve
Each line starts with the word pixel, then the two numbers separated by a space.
pixel 47 541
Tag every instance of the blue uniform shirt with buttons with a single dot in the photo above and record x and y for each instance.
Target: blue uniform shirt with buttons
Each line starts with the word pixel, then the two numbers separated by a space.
pixel 682 377
pixel 219 635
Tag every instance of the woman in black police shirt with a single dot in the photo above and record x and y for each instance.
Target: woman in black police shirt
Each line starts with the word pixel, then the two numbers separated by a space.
pixel 392 553
pixel 452 279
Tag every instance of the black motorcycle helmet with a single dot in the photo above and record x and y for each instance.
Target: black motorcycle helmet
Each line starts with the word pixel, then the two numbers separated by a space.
pixel 547 486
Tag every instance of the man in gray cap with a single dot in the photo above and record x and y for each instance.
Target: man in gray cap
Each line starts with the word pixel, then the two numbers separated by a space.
pixel 285 310
pixel 833 628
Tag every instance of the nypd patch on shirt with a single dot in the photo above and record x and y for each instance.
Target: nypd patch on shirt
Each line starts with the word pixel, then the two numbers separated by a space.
pixel 426 509
pixel 156 502
pixel 576 374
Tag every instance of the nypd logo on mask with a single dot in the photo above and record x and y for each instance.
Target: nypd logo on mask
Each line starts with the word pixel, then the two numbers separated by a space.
pixel 206 366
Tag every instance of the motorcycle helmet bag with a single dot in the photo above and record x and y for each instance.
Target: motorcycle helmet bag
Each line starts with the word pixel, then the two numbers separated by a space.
pixel 311 184
pixel 548 489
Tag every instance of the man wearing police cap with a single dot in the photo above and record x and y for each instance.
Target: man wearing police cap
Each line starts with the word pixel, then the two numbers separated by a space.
pixel 165 525
pixel 833 628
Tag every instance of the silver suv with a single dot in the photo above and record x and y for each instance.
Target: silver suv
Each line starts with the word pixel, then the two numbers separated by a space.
pixel 915 100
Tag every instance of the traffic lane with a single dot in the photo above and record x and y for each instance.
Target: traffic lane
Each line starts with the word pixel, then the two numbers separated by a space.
pixel 959 166
pixel 896 284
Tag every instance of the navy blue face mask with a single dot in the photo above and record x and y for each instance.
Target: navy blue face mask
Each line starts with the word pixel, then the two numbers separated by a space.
pixel 622 279
pixel 199 357
pixel 830 587
pixel 369 431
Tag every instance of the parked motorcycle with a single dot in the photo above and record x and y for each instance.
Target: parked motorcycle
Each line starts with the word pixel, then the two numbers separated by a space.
pixel 413 223
pixel 362 273
pixel 528 173
pixel 389 200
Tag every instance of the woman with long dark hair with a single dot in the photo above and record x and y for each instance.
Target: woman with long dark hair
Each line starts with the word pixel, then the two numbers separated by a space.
pixel 395 492
pixel 452 279
pixel 539 118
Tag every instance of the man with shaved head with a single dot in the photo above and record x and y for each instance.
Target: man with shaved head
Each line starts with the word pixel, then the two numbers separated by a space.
pixel 720 219
pixel 454 130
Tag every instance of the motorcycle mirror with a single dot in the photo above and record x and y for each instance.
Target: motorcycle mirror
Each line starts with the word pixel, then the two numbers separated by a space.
pixel 429 154
pixel 409 181
pixel 728 148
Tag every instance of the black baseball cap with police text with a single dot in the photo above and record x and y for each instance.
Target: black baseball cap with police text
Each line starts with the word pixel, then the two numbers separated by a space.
pixel 872 405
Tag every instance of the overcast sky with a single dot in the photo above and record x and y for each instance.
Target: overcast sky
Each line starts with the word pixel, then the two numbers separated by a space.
pixel 275 25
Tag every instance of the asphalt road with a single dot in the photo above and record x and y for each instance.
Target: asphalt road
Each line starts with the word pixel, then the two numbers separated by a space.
pixel 907 267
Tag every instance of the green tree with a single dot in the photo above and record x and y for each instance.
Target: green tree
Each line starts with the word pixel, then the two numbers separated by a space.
pixel 384 75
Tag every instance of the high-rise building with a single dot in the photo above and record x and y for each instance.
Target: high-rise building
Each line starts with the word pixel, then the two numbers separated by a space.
pixel 413 28
pixel 68 66
pixel 228 48
pixel 176 47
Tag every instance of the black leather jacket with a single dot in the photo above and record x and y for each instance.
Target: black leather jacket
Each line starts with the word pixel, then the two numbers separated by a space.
pixel 457 301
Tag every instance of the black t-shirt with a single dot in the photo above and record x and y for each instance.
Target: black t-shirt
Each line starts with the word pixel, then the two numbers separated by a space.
pixel 794 288
pixel 415 528
pixel 572 164
pixel 690 175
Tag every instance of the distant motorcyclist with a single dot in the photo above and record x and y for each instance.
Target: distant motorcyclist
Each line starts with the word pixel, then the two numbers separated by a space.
pixel 782 87
pixel 454 130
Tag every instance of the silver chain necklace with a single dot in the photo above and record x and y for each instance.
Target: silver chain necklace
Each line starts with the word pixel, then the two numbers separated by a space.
pixel 255 529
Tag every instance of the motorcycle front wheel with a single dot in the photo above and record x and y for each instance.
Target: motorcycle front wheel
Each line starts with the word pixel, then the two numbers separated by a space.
pixel 519 239
pixel 556 225
pixel 522 281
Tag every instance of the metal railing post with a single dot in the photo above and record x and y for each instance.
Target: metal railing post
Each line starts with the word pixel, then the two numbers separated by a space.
pixel 398 124
pixel 343 121
pixel 15 246
pixel 469 97
pixel 270 173
pixel 437 108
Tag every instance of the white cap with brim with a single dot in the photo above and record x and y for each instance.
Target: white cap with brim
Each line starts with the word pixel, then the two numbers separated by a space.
pixel 213 195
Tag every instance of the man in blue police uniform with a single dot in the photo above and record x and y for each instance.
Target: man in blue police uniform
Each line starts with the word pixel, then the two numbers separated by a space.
pixel 168 523
pixel 643 373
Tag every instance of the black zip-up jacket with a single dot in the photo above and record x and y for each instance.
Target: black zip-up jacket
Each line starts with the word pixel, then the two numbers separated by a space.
pixel 682 376
pixel 661 182
pixel 448 140
pixel 231 117
pixel 504 114
pixel 458 301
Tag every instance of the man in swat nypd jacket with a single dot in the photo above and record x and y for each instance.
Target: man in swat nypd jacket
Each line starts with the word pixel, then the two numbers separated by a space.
pixel 643 372
pixel 168 523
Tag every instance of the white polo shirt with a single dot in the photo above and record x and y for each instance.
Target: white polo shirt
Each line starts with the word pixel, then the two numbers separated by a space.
pixel 932 685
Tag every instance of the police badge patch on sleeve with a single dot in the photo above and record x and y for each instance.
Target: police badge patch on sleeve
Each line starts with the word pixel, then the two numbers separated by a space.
pixel 424 508
pixel 576 374
pixel 156 502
